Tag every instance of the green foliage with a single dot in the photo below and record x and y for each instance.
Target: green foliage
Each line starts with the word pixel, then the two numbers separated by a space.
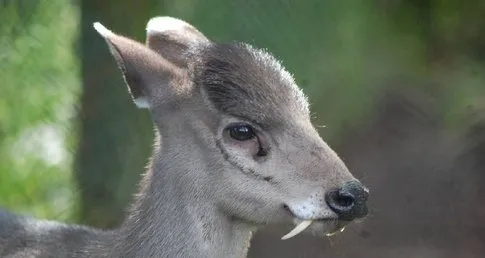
pixel 342 53
pixel 347 54
pixel 39 83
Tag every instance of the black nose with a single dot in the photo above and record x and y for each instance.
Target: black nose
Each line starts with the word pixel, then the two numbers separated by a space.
pixel 349 201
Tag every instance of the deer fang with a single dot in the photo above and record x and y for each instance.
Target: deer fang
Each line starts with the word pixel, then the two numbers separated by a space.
pixel 335 232
pixel 298 229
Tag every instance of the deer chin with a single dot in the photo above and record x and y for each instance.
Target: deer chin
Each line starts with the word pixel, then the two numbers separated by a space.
pixel 320 227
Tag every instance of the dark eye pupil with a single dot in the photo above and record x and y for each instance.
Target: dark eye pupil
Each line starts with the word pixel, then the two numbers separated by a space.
pixel 241 132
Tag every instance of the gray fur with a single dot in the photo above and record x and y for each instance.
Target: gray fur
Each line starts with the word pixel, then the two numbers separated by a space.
pixel 22 236
pixel 204 193
pixel 241 81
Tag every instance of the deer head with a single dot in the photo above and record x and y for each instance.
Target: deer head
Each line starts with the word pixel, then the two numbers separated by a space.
pixel 235 124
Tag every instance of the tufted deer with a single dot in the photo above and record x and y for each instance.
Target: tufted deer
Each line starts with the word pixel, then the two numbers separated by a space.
pixel 234 150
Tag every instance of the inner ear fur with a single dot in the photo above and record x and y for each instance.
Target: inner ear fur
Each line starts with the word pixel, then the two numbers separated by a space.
pixel 147 74
pixel 172 38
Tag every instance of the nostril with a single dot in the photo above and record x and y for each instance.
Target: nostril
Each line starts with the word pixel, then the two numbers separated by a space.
pixel 345 199
pixel 348 201
pixel 340 202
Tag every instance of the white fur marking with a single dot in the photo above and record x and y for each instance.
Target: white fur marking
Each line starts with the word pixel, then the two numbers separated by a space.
pixel 103 31
pixel 311 208
pixel 142 102
pixel 162 24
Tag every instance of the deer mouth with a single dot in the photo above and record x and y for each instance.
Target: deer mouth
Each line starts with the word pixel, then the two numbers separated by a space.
pixel 320 227
pixel 328 226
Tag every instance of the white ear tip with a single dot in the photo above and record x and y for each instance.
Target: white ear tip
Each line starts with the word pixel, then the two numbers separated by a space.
pixel 142 102
pixel 103 31
pixel 165 23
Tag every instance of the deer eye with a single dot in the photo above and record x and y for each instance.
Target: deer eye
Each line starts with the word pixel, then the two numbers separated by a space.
pixel 241 132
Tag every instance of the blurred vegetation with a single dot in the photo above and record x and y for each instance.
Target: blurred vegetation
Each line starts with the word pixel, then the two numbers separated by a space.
pixel 346 55
pixel 39 83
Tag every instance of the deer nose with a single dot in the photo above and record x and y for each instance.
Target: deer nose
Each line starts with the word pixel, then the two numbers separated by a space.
pixel 349 201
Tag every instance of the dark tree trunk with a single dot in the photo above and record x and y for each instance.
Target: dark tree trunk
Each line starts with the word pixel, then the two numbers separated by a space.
pixel 115 137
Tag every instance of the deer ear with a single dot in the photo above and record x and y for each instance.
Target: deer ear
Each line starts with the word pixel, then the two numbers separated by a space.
pixel 172 38
pixel 146 73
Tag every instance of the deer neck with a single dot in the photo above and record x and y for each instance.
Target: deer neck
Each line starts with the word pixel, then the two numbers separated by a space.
pixel 175 216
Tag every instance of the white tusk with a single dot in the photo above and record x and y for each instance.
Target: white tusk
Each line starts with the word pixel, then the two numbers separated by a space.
pixel 298 229
pixel 335 232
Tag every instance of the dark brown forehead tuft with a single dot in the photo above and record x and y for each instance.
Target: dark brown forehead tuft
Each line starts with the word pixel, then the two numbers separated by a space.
pixel 249 83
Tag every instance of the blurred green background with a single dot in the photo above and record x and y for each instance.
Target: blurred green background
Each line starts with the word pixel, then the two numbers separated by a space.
pixel 399 86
